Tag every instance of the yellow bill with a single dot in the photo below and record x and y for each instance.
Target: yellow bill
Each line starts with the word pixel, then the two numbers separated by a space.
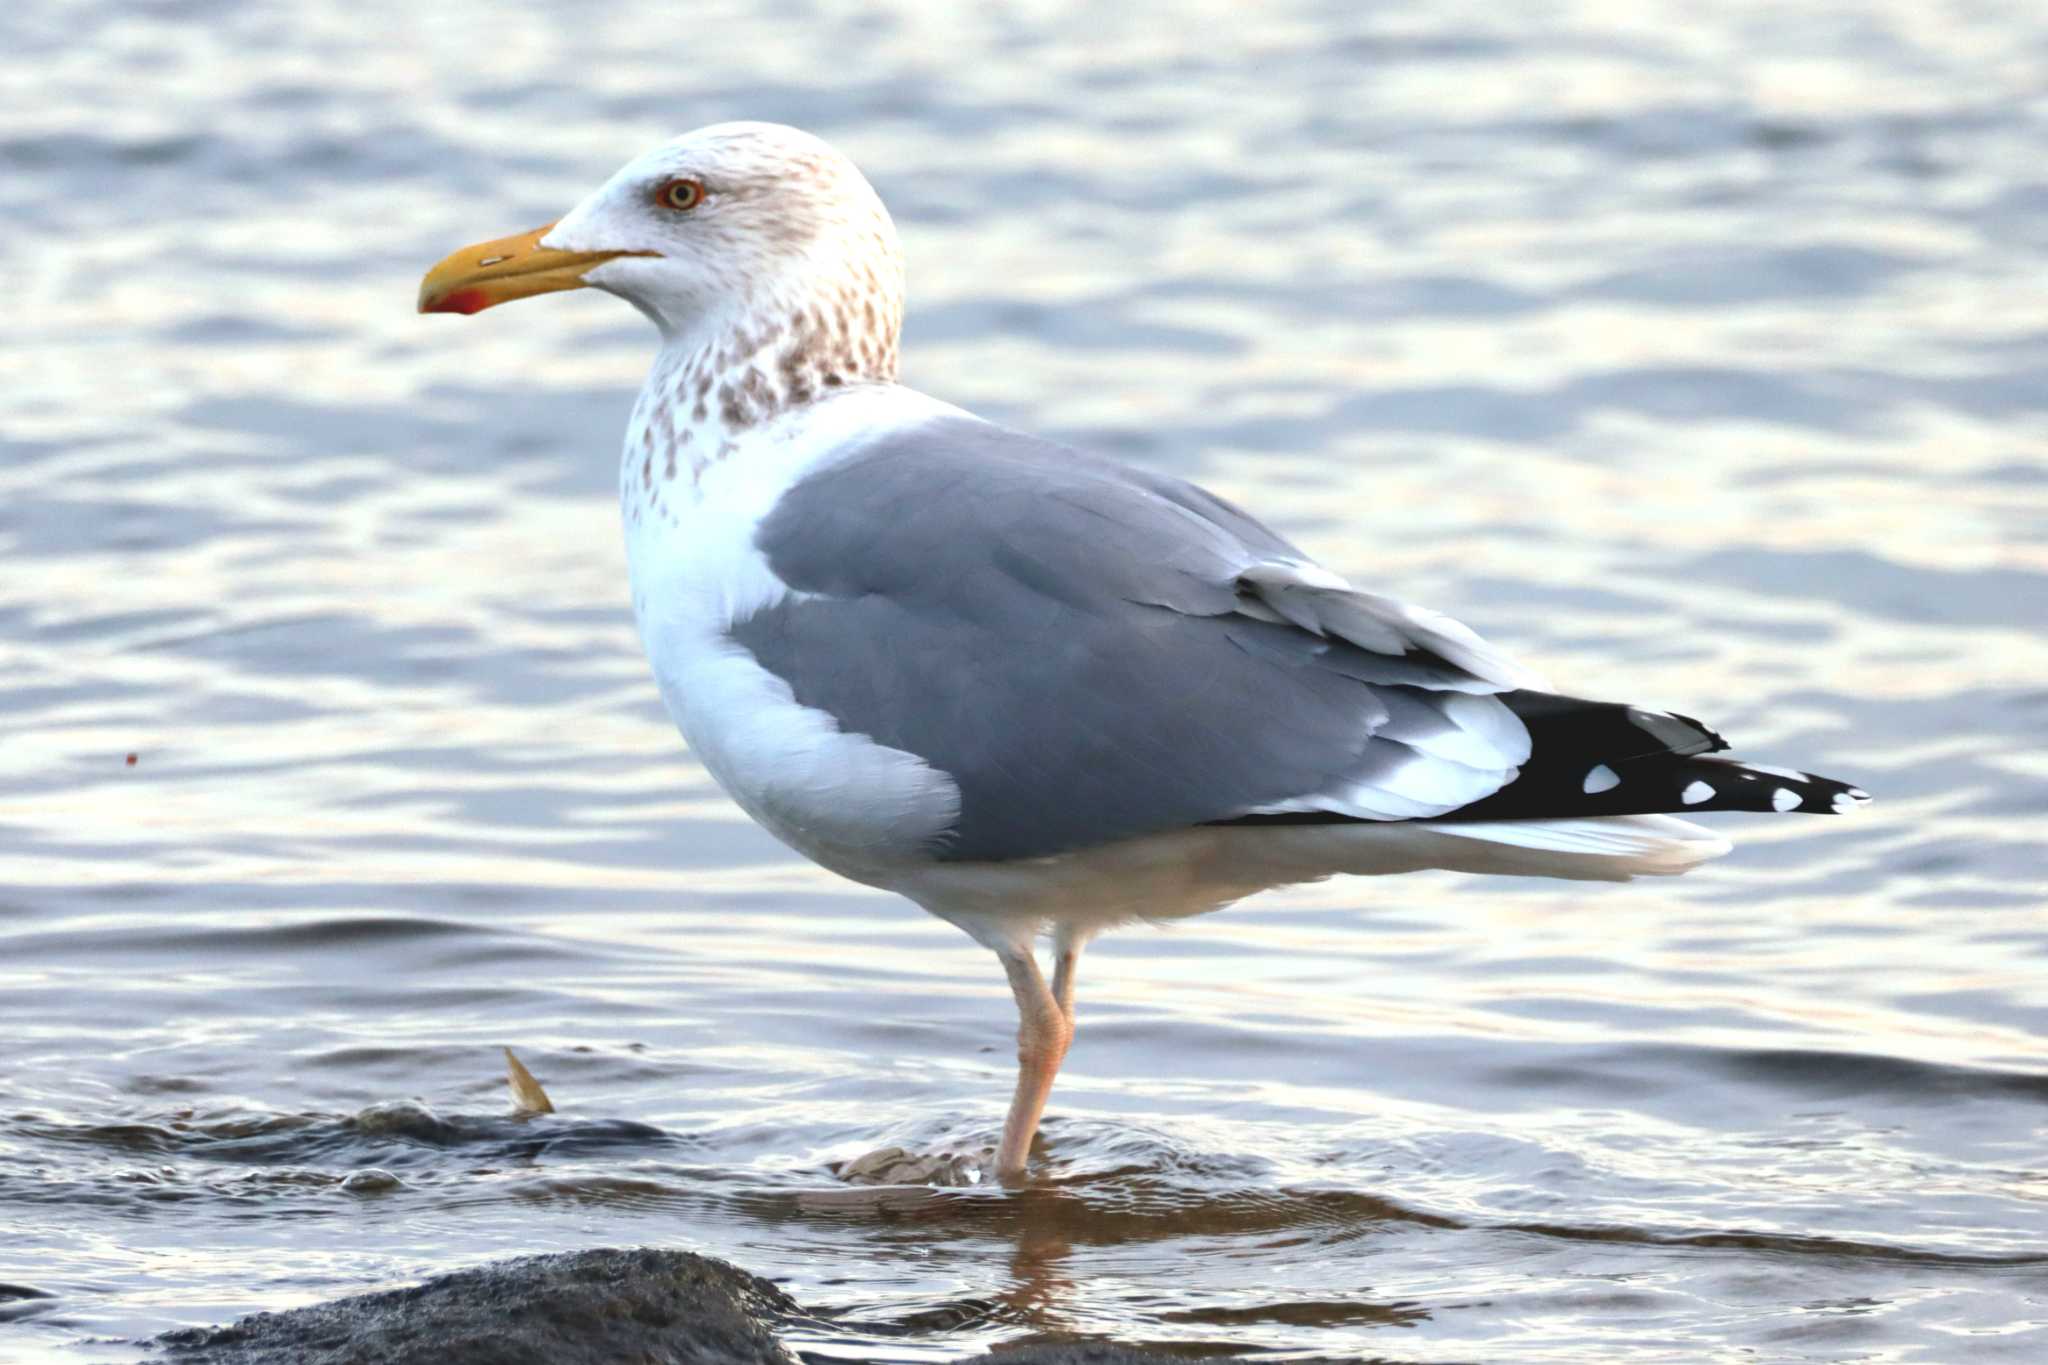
pixel 489 273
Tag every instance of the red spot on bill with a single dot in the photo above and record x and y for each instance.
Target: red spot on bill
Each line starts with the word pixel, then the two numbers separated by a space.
pixel 460 301
pixel 131 760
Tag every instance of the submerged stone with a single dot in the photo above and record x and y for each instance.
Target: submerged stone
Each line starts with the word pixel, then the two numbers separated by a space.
pixel 900 1166
pixel 371 1180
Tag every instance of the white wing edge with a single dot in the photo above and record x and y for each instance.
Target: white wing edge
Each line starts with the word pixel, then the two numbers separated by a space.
pixel 1320 602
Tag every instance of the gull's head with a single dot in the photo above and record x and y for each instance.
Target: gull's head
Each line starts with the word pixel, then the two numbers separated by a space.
pixel 737 227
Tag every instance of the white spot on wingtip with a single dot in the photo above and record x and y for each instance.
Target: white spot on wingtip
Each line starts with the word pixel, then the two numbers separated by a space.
pixel 1696 793
pixel 1784 798
pixel 1853 799
pixel 1600 778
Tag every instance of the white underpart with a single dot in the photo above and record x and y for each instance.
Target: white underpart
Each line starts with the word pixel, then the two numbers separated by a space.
pixel 1191 871
pixel 1656 845
pixel 842 800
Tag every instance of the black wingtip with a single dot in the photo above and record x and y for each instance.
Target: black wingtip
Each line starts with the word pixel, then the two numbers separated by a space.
pixel 1736 785
pixel 1662 784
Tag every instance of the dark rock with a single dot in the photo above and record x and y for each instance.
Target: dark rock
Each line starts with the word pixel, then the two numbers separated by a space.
pixel 647 1307
pixel 642 1307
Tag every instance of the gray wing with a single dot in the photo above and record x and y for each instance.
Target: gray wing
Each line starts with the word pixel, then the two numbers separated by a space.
pixel 1092 652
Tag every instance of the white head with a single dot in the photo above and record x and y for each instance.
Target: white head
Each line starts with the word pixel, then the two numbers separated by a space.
pixel 747 243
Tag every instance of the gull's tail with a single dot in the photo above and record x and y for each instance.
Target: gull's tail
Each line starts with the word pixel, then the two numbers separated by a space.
pixel 1609 848
pixel 1595 800
pixel 1590 758
pixel 1597 796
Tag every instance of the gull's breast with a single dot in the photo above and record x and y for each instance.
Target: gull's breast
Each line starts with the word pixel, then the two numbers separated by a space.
pixel 856 806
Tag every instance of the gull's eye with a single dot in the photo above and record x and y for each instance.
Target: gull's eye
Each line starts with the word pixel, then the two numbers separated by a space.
pixel 680 195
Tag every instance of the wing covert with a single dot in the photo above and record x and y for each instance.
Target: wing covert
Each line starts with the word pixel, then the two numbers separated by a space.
pixel 1094 653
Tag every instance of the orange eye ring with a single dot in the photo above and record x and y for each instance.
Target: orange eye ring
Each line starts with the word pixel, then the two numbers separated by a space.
pixel 680 195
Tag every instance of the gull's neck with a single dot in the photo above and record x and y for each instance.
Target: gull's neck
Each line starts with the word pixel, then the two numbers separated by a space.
pixel 735 373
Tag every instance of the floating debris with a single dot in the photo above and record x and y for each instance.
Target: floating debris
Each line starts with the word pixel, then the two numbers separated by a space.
pixel 527 1096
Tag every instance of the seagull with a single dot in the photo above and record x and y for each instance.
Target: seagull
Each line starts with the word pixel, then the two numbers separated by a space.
pixel 1037 692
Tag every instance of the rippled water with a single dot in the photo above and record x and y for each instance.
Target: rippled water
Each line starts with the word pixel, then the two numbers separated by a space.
pixel 1702 358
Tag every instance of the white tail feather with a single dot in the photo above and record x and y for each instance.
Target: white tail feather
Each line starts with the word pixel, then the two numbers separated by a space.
pixel 1606 847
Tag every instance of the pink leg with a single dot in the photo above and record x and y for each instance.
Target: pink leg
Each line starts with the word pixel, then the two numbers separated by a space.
pixel 1066 945
pixel 1044 1032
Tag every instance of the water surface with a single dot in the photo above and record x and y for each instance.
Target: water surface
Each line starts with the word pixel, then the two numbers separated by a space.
pixel 1702 359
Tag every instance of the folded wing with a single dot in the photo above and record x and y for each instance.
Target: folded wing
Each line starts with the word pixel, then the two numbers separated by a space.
pixel 1092 652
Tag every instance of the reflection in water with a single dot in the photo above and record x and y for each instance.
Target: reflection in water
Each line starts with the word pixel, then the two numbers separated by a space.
pixel 1695 356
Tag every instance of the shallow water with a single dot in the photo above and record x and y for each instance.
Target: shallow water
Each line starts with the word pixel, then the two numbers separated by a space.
pixel 1702 359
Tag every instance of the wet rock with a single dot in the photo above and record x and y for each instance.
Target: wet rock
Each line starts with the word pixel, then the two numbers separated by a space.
pixel 648 1306
pixel 371 1180
pixel 900 1166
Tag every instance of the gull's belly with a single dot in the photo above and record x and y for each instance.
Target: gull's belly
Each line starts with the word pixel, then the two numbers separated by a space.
pixel 840 799
pixel 860 808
